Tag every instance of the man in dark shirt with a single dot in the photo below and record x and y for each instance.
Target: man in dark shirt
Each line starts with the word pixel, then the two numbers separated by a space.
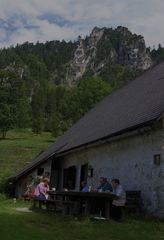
pixel 104 185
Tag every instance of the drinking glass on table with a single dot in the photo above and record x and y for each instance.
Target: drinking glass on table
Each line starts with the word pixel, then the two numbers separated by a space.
pixel 100 190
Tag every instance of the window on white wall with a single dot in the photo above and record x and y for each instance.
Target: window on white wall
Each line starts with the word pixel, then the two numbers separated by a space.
pixel 69 180
pixel 40 171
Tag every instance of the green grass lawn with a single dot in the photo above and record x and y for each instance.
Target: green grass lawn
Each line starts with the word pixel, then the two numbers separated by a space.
pixel 16 225
pixel 19 148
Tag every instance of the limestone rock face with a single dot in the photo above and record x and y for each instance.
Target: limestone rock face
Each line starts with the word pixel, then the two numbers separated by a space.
pixel 84 56
pixel 132 50
pixel 105 47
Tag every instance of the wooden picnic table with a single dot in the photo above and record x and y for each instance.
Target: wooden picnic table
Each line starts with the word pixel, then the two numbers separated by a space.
pixel 88 198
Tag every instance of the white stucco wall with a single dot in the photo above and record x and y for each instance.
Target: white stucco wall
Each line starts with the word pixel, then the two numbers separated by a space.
pixel 132 161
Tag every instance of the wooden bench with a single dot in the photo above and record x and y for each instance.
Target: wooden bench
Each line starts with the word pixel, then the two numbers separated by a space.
pixel 68 207
pixel 133 201
pixel 39 203
pixel 54 205
pixel 59 205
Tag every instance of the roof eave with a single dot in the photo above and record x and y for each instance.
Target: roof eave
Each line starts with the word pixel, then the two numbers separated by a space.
pixel 113 137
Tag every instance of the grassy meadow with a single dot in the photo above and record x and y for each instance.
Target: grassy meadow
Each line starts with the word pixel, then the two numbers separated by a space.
pixel 19 148
pixel 41 225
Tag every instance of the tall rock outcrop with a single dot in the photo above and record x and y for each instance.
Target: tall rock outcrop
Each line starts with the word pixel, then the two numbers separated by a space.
pixel 105 47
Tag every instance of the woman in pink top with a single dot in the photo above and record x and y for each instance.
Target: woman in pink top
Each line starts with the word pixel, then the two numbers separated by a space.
pixel 41 190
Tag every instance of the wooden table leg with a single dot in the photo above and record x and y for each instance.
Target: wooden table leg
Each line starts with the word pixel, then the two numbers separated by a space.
pixel 87 207
pixel 107 209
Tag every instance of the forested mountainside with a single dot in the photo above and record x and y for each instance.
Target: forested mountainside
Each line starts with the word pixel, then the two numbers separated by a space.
pixel 49 86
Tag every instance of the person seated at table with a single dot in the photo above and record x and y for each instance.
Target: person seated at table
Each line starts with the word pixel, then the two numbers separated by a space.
pixel 104 185
pixel 98 206
pixel 41 190
pixel 119 202
pixel 84 187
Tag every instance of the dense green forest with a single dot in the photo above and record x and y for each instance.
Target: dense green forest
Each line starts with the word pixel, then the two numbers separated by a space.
pixel 52 108
pixel 34 93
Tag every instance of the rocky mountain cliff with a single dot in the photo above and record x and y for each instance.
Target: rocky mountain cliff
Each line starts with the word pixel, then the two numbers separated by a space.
pixel 116 55
pixel 105 47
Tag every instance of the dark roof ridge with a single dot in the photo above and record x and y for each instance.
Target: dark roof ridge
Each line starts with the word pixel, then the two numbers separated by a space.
pixel 139 102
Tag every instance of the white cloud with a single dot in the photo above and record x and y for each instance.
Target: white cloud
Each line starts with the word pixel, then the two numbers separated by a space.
pixel 40 20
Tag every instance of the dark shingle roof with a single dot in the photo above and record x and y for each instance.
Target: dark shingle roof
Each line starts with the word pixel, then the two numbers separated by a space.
pixel 139 102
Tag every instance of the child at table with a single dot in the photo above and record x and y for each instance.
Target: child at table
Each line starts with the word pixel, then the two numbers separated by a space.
pixel 41 191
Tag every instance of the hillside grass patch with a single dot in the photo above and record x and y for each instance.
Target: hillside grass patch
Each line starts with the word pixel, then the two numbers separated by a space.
pixel 41 225
pixel 19 149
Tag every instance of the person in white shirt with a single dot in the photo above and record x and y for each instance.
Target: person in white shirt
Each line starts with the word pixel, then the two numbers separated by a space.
pixel 119 201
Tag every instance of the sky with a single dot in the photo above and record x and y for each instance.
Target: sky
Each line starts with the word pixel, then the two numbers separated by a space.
pixel 46 20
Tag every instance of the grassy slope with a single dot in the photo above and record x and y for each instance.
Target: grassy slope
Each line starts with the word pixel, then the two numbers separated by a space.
pixel 19 148
pixel 43 225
